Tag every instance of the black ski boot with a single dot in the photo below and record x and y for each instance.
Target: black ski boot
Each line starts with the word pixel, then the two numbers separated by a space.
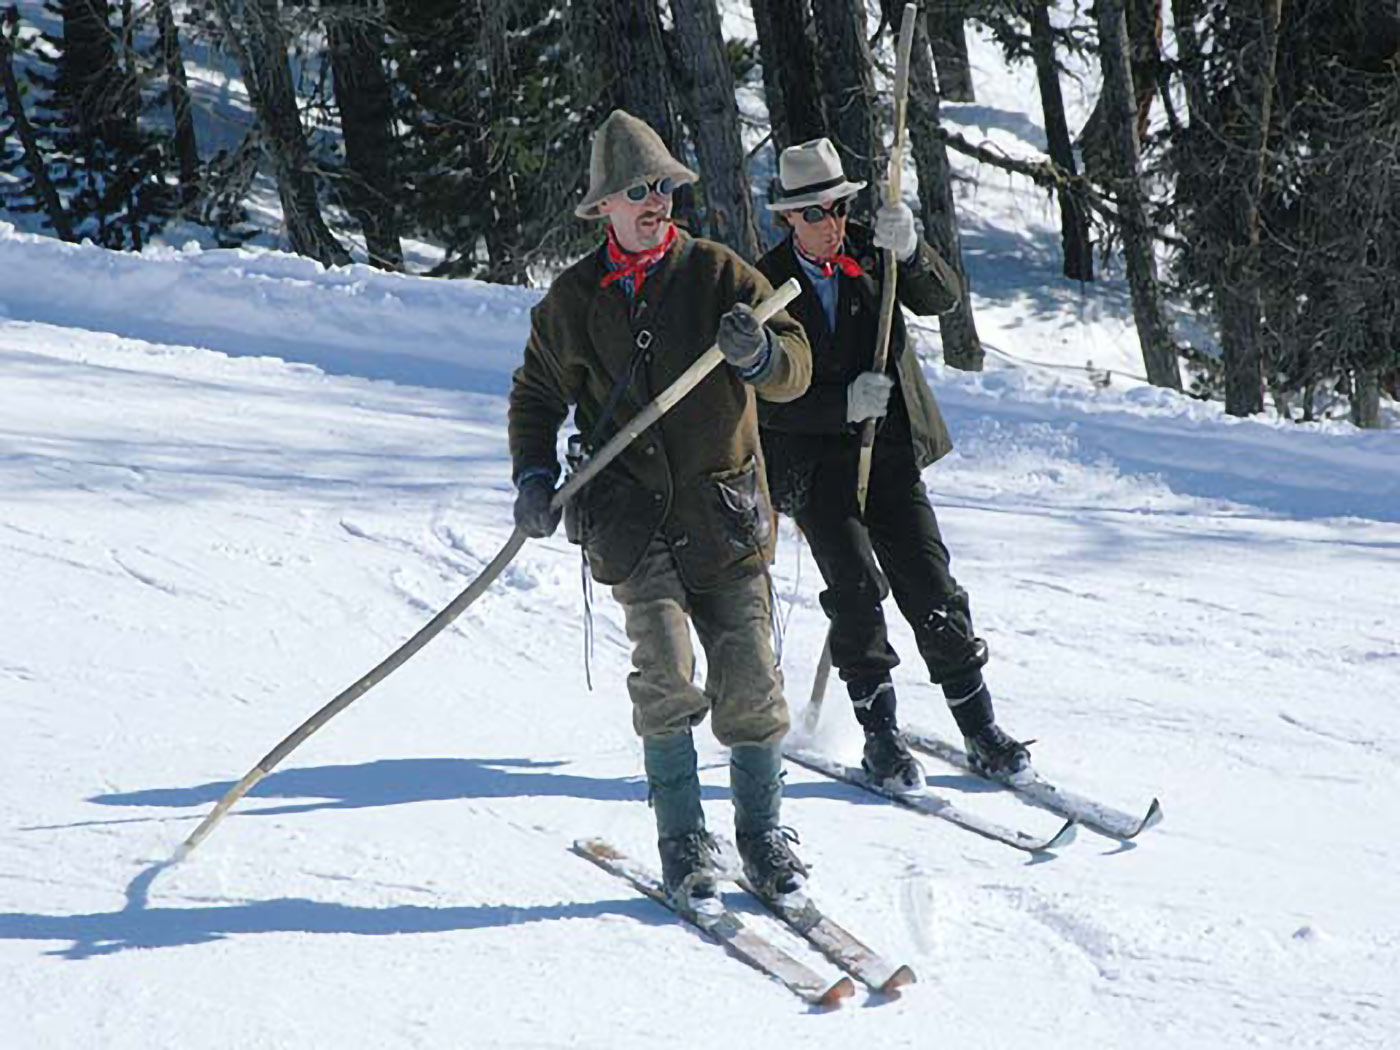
pixel 688 869
pixel 995 754
pixel 687 851
pixel 991 751
pixel 755 776
pixel 770 864
pixel 887 759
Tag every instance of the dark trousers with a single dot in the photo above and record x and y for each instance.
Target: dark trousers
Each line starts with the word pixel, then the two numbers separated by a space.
pixel 894 547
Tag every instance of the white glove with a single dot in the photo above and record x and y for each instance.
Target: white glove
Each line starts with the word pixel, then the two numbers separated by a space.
pixel 868 396
pixel 894 229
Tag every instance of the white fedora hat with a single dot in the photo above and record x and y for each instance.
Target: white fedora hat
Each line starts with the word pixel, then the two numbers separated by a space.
pixel 811 174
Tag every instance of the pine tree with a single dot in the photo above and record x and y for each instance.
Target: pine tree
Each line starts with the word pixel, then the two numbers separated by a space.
pixel 1159 351
pixel 786 41
pixel 109 171
pixel 32 190
pixel 1286 181
pixel 700 64
pixel 498 115
pixel 848 84
pixel 355 36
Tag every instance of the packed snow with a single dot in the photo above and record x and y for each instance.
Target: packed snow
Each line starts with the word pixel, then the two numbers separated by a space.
pixel 231 482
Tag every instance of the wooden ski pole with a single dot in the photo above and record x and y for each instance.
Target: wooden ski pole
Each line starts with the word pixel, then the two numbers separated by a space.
pixel 888 304
pixel 667 399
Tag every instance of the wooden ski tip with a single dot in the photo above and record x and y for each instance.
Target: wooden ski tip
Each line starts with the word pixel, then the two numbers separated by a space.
pixel 842 989
pixel 596 848
pixel 1153 818
pixel 897 980
pixel 1063 837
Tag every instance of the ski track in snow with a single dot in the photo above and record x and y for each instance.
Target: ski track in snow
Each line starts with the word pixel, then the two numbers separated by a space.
pixel 1157 641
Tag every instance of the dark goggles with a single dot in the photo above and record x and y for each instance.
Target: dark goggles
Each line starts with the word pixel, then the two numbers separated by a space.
pixel 663 187
pixel 815 213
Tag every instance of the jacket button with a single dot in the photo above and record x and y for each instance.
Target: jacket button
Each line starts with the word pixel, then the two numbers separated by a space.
pixel 651 450
pixel 656 497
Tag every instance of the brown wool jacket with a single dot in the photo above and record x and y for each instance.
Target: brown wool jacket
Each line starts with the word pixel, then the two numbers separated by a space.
pixel 696 477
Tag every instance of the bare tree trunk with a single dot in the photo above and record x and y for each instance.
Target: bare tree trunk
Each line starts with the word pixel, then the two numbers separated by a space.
pixel 362 93
pixel 1158 350
pixel 849 87
pixel 97 77
pixel 707 82
pixel 1188 46
pixel 494 81
pixel 262 56
pixel 33 159
pixel 961 346
pixel 1144 35
pixel 1366 398
pixel 790 80
pixel 1074 219
pixel 1241 305
pixel 629 59
pixel 186 145
pixel 947 33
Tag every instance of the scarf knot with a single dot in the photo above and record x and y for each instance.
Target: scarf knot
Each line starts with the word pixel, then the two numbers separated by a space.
pixel 636 265
pixel 829 265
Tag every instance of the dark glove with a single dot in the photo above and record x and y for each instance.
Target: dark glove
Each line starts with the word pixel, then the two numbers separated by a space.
pixel 741 338
pixel 533 513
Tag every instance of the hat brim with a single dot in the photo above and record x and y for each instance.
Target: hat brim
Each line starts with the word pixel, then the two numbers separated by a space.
pixel 588 207
pixel 803 200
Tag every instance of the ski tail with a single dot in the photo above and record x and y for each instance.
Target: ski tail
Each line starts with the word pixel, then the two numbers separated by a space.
pixel 723 927
pixel 809 921
pixel 1106 820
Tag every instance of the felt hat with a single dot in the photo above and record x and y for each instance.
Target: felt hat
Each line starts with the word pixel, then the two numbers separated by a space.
pixel 811 174
pixel 625 151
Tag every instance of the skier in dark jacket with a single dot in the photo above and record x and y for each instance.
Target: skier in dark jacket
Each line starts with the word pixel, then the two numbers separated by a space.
pixel 812 446
pixel 679 524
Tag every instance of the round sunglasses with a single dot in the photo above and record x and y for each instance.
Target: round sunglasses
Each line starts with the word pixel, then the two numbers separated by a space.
pixel 815 213
pixel 663 187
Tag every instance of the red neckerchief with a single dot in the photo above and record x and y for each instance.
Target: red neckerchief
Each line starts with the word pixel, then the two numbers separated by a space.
pixel 845 263
pixel 636 265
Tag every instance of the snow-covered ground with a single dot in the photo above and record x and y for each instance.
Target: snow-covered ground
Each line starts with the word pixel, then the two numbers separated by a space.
pixel 230 483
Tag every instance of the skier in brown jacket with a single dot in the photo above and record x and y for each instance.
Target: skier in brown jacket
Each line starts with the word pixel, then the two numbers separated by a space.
pixel 812 445
pixel 680 524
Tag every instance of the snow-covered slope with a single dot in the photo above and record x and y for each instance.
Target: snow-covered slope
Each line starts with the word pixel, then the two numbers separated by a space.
pixel 203 548
pixel 230 483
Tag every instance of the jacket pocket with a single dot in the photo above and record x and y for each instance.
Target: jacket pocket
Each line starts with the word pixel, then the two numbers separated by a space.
pixel 741 514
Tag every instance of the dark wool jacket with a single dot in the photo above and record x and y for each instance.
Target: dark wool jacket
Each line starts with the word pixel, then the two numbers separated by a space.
pixel 696 477
pixel 800 432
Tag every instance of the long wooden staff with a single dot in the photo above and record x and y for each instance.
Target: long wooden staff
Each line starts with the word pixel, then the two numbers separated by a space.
pixel 688 380
pixel 813 713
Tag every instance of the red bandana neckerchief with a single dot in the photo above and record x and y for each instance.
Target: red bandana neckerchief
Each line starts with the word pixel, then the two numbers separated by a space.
pixel 845 263
pixel 636 265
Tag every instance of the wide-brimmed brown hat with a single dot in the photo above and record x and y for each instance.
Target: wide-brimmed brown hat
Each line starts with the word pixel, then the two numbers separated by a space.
pixel 625 151
pixel 811 174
